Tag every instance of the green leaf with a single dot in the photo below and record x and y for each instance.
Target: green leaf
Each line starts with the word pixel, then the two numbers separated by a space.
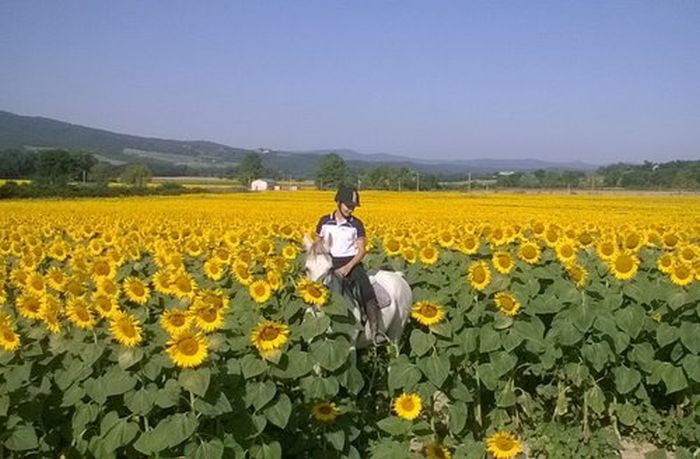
pixel 503 362
pixel 252 366
pixel 435 368
pixel 395 425
pixel 388 449
pixel 4 405
pixel 630 319
pixel 626 379
pixel 22 438
pixel 336 438
pixel 259 394
pixel 195 380
pixel 129 356
pixel 294 364
pixel 489 340
pixel 596 399
pixel 403 375
pixel 458 417
pixel 691 364
pixel 690 336
pixel 314 326
pixel 331 354
pixel 627 414
pixel 279 412
pixel 140 402
pixel 316 387
pixel 421 342
pixel 266 451
pixel 116 381
pixel 674 378
pixel 117 435
pixel 213 449
pixel 666 334
pixel 488 376
pixel 84 414
pixel 656 454
pixel 180 427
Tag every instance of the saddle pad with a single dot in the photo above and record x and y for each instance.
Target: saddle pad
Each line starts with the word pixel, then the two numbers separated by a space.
pixel 383 297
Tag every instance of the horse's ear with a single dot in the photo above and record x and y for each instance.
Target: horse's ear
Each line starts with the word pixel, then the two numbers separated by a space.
pixel 307 242
pixel 328 242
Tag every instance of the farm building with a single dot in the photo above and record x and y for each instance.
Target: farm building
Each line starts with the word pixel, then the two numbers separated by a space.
pixel 262 184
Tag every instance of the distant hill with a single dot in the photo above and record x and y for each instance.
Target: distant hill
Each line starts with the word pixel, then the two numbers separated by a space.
pixel 32 132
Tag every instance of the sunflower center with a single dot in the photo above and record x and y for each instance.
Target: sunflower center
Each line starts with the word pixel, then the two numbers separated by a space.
pixel 313 291
pixel 507 303
pixel 82 314
pixel 104 304
pixel 8 335
pixel 407 404
pixel 529 252
pixel 127 329
pixel 37 283
pixel 101 268
pixel 682 272
pixel 177 320
pixel 479 275
pixel 188 346
pixel 504 261
pixel 183 284
pixel 325 409
pixel 260 290
pixel 208 315
pixel 608 249
pixel 624 263
pixel 505 444
pixel 567 251
pixel 269 333
pixel 33 305
pixel 428 310
pixel 137 289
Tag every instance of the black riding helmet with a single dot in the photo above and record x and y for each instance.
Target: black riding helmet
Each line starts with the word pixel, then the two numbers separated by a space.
pixel 348 196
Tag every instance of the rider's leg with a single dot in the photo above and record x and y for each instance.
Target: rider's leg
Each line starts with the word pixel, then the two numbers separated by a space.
pixel 369 300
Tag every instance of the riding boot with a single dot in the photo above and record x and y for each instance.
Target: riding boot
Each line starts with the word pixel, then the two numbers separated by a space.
pixel 374 316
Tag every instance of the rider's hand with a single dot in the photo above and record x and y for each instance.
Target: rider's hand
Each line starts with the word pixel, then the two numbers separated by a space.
pixel 343 270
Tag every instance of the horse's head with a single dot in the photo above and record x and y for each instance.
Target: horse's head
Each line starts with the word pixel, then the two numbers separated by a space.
pixel 318 257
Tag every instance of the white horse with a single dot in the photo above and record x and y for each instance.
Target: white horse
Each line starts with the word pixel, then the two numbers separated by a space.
pixel 393 317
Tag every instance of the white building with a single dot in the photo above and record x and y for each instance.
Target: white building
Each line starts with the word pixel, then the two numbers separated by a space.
pixel 262 184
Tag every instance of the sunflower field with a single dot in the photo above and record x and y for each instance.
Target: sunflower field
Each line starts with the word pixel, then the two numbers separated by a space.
pixel 553 326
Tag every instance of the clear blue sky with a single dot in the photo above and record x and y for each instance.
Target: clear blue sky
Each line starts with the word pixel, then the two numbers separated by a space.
pixel 598 81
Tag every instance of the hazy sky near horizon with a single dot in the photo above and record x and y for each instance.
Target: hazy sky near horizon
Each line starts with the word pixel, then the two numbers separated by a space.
pixel 597 81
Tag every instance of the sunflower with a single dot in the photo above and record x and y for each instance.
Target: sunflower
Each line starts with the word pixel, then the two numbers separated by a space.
pixel 51 312
pixel 670 240
pixel 29 305
pixel 469 244
pixel 162 282
pixel 507 303
pixel 108 287
pixel 125 329
pixel 183 286
pixel 577 273
pixel 208 318
pixel 260 291
pixel 566 251
pixel 242 273
pixel 502 261
pixel 503 445
pixel 102 268
pixel 290 252
pixel 274 279
pixel 175 321
pixel 35 283
pixel 606 249
pixel 74 286
pixel 409 254
pixel 269 335
pixel 435 450
pixel 479 275
pixel 187 349
pixel 312 292
pixel 222 254
pixel 681 274
pixel 427 313
pixel 106 306
pixel 392 246
pixel 80 314
pixel 56 278
pixel 624 265
pixel 214 269
pixel 408 405
pixel 428 255
pixel 136 290
pixel 665 263
pixel 530 252
pixel 324 412
pixel 687 253
pixel 9 339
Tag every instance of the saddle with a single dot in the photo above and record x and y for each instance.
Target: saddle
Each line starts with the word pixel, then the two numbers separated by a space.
pixel 353 291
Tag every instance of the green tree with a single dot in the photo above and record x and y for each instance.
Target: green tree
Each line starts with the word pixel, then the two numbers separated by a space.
pixel 332 172
pixel 55 167
pixel 101 173
pixel 251 168
pixel 136 175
